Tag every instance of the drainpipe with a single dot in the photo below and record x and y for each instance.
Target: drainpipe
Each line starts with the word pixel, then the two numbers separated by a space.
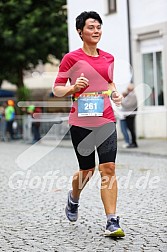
pixel 129 33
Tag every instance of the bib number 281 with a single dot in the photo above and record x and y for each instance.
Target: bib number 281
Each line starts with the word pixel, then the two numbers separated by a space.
pixel 90 106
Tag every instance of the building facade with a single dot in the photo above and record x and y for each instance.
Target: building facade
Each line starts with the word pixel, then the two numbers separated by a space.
pixel 135 32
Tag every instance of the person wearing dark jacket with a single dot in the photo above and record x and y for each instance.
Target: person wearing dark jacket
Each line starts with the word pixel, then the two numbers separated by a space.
pixel 129 105
pixel 32 110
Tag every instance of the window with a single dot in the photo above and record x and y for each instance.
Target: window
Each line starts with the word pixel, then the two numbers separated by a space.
pixel 111 6
pixel 152 76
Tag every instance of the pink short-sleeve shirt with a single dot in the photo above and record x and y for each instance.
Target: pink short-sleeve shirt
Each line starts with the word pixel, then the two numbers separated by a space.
pixel 99 72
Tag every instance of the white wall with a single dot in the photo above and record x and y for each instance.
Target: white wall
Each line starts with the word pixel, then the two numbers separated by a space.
pixel 153 121
pixel 74 8
pixel 145 15
pixel 147 12
pixel 115 33
pixel 152 124
pixel 114 38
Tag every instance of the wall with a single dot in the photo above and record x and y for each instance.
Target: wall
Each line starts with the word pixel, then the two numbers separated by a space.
pixel 114 38
pixel 147 12
pixel 153 121
pixel 147 17
pixel 114 26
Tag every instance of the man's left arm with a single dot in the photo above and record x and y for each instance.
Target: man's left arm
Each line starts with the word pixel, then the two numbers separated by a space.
pixel 115 96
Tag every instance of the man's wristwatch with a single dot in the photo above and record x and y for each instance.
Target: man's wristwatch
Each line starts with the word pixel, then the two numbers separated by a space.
pixel 113 92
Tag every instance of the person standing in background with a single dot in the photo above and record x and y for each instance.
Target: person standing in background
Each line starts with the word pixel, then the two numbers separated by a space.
pixel 35 124
pixel 3 122
pixel 129 105
pixel 9 117
pixel 123 125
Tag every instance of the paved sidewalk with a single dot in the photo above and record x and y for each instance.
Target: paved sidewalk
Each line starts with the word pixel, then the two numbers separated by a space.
pixel 32 202
pixel 156 147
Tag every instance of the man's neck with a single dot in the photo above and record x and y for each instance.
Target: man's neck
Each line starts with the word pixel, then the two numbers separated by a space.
pixel 91 51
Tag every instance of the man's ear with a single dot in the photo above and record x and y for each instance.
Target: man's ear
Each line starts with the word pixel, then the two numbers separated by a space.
pixel 79 32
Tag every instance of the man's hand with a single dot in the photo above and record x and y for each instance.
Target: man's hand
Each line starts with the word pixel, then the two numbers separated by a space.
pixel 81 82
pixel 116 98
pixel 62 91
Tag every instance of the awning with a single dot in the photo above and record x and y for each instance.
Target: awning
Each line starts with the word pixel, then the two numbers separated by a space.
pixel 6 93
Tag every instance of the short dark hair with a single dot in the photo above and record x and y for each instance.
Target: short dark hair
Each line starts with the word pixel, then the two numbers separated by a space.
pixel 81 19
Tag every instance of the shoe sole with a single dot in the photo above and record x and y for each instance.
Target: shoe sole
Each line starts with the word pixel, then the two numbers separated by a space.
pixel 118 233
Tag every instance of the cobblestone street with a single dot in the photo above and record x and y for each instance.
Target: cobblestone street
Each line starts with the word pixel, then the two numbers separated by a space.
pixel 33 200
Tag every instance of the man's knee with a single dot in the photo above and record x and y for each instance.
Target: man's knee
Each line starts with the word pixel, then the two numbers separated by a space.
pixel 107 169
pixel 85 176
pixel 87 173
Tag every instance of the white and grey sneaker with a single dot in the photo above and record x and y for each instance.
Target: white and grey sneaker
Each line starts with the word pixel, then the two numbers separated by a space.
pixel 113 228
pixel 71 209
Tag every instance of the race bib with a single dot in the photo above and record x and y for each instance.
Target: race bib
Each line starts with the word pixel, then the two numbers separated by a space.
pixel 90 106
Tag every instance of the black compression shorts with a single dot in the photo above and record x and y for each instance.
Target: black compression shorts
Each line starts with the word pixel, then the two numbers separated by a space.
pixel 85 140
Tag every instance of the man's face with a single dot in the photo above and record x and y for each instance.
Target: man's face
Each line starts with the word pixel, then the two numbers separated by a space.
pixel 91 31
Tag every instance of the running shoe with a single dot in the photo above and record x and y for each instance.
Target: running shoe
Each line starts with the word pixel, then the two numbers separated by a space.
pixel 132 145
pixel 71 209
pixel 113 228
